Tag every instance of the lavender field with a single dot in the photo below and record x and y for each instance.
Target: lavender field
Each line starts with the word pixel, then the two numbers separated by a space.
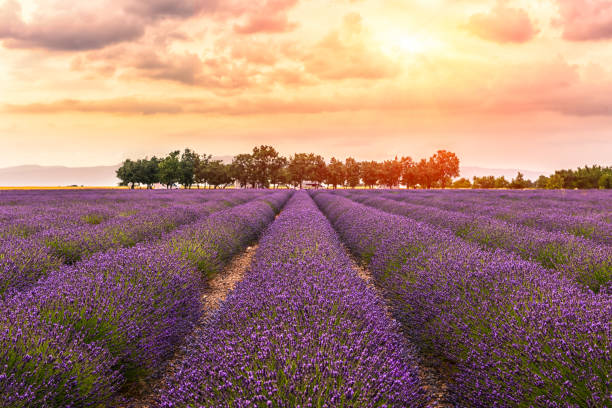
pixel 327 298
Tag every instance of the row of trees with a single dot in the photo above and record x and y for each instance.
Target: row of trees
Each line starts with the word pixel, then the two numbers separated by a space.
pixel 265 168
pixel 582 178
pixel 488 182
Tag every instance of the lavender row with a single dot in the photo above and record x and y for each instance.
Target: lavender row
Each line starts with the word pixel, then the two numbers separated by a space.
pixel 88 329
pixel 588 226
pixel 585 261
pixel 45 210
pixel 301 330
pixel 24 261
pixel 567 202
pixel 517 335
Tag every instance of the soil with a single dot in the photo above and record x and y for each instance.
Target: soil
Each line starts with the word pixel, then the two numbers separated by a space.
pixel 432 371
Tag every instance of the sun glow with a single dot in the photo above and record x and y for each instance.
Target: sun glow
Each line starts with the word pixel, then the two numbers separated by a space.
pixel 397 43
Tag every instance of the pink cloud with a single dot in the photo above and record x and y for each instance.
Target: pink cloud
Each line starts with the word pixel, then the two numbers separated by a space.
pixel 503 25
pixel 90 25
pixel 584 20
pixel 270 17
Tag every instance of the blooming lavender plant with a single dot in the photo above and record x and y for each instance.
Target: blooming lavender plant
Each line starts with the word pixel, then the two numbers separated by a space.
pixel 302 329
pixel 585 261
pixel 24 260
pixel 518 335
pixel 87 329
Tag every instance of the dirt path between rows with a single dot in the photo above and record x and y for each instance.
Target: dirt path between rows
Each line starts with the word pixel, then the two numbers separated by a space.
pixel 429 372
pixel 213 294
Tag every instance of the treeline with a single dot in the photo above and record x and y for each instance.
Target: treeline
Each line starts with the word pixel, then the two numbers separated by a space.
pixel 266 168
pixel 582 178
pixel 489 182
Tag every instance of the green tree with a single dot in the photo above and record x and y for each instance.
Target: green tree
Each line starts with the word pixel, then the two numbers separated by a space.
pixel 127 173
pixel 147 171
pixel 199 168
pixel 187 166
pixel 336 173
pixel 462 183
pixel 541 182
pixel 605 181
pixel 519 182
pixel 555 182
pixel 485 182
pixel 353 172
pixel 501 182
pixel 299 168
pixel 241 169
pixel 318 169
pixel 265 161
pixel 218 174
pixel 170 169
pixel 278 173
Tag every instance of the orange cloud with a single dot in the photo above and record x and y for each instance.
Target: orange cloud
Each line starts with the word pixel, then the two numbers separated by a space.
pixel 345 54
pixel 503 25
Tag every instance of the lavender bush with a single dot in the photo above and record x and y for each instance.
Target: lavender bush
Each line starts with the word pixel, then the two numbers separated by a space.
pixel 302 329
pixel 585 261
pixel 87 329
pixel 518 335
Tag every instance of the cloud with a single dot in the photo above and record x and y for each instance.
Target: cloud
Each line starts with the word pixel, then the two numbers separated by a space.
pixel 502 25
pixel 543 86
pixel 347 53
pixel 271 17
pixel 585 20
pixel 89 25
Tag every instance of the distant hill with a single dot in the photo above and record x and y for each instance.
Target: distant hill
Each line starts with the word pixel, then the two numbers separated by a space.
pixel 469 172
pixel 52 176
pixel 61 176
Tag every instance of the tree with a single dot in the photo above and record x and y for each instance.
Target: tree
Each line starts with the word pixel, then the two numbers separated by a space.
pixel 462 183
pixel 265 160
pixel 299 168
pixel 147 171
pixel 409 172
pixel 170 169
pixel 336 173
pixel 200 167
pixel 370 173
pixel 218 173
pixel 127 173
pixel 391 173
pixel 501 182
pixel 541 182
pixel 484 182
pixel 427 174
pixel 555 182
pixel 605 181
pixel 187 168
pixel 241 169
pixel 278 175
pixel 317 169
pixel 446 166
pixel 353 172
pixel 519 182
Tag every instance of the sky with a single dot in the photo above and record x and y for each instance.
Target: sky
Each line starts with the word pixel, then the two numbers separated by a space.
pixel 502 83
